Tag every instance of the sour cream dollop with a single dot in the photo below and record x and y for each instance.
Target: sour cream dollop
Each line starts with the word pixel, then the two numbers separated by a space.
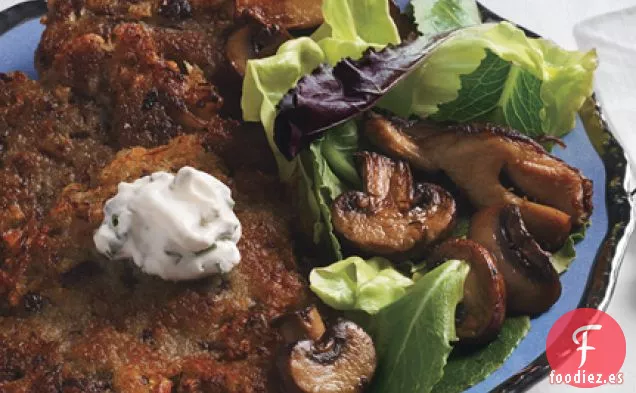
pixel 178 227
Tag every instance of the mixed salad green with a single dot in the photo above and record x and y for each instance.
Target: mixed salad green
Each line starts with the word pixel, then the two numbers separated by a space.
pixel 484 72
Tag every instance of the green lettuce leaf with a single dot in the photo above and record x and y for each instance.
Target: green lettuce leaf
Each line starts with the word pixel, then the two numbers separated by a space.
pixel 438 16
pixel 500 92
pixel 352 26
pixel 520 104
pixel 316 191
pixel 471 102
pixel 463 80
pixel 422 269
pixel 465 369
pixel 338 147
pixel 562 259
pixel 413 335
pixel 328 171
pixel 266 82
pixel 358 284
pixel 311 222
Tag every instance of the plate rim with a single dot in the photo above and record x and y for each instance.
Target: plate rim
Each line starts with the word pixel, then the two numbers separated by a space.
pixel 20 13
pixel 619 204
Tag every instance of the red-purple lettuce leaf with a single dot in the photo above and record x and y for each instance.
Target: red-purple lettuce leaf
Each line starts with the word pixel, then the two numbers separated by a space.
pixel 329 96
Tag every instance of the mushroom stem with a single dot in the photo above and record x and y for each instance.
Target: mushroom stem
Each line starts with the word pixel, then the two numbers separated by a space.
pixel 302 324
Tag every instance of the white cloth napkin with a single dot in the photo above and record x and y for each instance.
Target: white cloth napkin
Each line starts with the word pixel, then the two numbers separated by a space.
pixel 614 37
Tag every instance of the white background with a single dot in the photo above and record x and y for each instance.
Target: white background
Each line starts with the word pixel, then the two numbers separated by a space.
pixel 555 19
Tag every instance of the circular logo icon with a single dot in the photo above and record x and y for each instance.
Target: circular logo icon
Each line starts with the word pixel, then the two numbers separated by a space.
pixel 586 348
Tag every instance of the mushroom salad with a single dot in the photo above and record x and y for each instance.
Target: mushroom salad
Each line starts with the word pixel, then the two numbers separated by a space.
pixel 417 146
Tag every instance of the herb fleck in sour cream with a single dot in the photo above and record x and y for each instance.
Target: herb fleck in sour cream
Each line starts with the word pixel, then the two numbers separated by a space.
pixel 178 227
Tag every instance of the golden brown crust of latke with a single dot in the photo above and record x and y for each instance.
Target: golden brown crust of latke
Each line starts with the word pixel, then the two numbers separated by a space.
pixel 156 68
pixel 89 324
pixel 46 142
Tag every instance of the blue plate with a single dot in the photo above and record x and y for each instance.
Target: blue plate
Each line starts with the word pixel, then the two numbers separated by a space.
pixel 591 147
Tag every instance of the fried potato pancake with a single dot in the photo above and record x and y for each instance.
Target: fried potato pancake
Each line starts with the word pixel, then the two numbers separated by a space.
pixel 87 324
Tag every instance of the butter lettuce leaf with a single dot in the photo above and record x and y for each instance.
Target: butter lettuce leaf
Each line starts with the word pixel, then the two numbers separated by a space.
pixel 500 92
pixel 544 87
pixel 465 369
pixel 358 284
pixel 471 102
pixel 413 335
pixel 266 82
pixel 352 26
pixel 521 103
pixel 438 16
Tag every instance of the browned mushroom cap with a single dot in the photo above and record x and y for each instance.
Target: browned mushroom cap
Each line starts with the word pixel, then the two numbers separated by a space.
pixel 532 283
pixel 476 156
pixel 342 361
pixel 290 14
pixel 483 308
pixel 253 41
pixel 392 216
